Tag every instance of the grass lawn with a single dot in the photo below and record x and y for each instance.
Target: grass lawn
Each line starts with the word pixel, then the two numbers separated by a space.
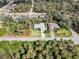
pixel 63 32
pixel 3 31
pixel 47 34
pixel 35 33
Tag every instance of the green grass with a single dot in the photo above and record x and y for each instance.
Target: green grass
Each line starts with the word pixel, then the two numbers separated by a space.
pixel 3 31
pixel 63 32
pixel 35 33
pixel 47 34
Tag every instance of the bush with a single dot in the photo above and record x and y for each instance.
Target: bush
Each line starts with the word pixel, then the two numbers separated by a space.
pixel 39 49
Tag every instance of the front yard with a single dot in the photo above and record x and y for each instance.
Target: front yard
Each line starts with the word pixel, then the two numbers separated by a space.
pixel 63 32
pixel 35 33
pixel 3 31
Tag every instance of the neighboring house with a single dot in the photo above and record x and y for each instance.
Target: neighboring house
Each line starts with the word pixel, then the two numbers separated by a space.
pixel 53 26
pixel 42 28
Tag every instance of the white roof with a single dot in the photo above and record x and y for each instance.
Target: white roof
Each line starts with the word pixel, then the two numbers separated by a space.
pixel 41 26
pixel 36 26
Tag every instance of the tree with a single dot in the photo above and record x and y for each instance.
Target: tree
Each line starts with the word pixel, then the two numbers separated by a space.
pixel 76 24
pixel 13 27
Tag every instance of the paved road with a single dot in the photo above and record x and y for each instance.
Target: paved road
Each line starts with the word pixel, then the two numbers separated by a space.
pixel 75 37
pixel 33 39
pixel 6 7
pixel 23 38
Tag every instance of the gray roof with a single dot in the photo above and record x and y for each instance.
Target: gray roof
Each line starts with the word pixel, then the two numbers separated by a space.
pixel 52 26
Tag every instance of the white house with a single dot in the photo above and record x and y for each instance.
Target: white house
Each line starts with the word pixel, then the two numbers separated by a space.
pixel 42 28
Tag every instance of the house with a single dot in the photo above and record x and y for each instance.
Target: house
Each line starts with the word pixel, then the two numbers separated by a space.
pixel 42 28
pixel 52 26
